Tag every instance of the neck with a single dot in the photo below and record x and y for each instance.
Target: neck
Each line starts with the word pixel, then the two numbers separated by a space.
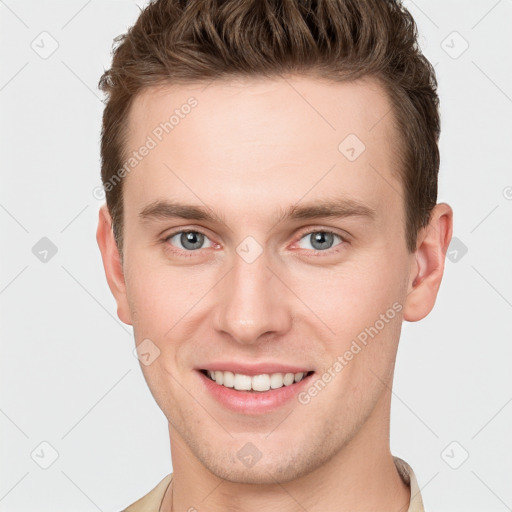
pixel 361 476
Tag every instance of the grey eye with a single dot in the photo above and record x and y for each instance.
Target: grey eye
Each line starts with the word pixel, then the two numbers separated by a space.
pixel 320 240
pixel 189 240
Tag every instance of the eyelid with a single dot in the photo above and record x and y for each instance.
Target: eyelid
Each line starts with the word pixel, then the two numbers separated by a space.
pixel 182 252
pixel 345 239
pixel 174 231
pixel 319 229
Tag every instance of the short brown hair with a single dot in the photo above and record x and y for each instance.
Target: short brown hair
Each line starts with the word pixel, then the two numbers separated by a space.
pixel 184 41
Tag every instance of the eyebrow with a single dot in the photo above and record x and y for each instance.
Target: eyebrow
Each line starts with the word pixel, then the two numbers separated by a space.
pixel 334 208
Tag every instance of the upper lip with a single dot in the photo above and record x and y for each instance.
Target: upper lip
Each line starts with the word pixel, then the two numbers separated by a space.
pixel 253 368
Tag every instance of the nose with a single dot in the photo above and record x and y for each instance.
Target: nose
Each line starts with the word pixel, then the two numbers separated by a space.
pixel 252 302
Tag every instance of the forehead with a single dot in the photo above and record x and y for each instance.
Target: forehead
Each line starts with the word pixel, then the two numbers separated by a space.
pixel 284 138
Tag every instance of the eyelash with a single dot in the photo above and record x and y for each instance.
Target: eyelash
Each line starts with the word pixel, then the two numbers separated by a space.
pixel 314 252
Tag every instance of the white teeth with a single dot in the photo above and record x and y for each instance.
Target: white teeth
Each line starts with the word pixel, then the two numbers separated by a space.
pixel 262 382
pixel 242 382
pixel 288 379
pixel 276 380
pixel 229 379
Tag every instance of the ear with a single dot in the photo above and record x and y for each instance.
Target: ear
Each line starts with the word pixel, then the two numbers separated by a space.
pixel 427 265
pixel 112 264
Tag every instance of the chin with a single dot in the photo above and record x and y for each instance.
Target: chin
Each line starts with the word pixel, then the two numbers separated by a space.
pixel 249 466
pixel 260 474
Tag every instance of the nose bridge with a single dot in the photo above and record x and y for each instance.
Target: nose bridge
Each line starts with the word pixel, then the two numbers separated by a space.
pixel 252 301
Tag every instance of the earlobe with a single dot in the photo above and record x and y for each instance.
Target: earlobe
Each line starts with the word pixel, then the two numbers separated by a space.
pixel 427 266
pixel 112 264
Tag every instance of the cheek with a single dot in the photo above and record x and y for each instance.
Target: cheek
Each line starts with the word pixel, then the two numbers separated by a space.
pixel 158 297
pixel 361 304
pixel 353 295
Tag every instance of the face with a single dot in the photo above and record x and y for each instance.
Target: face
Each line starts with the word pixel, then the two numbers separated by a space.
pixel 264 234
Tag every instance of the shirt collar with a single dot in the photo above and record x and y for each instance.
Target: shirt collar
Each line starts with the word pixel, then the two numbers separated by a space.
pixel 151 502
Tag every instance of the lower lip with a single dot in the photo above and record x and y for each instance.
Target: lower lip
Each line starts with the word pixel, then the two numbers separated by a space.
pixel 253 402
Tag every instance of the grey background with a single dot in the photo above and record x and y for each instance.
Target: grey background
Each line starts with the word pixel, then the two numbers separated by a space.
pixel 68 374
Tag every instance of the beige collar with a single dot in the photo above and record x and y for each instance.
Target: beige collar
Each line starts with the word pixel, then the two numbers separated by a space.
pixel 152 501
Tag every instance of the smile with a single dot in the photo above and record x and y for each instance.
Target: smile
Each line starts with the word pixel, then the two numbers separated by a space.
pixel 259 383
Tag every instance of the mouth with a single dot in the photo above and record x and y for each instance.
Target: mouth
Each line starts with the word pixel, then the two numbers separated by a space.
pixel 260 383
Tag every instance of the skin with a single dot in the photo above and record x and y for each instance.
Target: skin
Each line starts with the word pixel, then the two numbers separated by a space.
pixel 248 150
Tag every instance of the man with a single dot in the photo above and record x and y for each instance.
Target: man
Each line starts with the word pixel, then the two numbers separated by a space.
pixel 271 177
